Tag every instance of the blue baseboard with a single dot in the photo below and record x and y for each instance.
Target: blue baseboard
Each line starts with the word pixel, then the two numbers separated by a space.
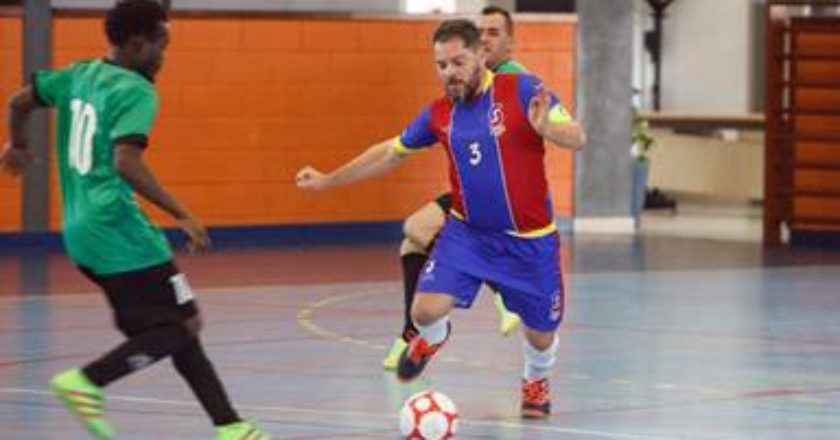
pixel 241 236
pixel 301 235
pixel 252 236
pixel 815 239
pixel 29 240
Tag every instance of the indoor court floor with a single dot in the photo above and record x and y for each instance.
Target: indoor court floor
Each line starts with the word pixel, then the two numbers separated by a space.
pixel 664 338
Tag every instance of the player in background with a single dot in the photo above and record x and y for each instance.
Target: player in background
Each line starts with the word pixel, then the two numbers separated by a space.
pixel 105 109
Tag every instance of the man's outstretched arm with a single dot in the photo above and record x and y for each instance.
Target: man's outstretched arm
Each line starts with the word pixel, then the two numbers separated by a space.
pixel 374 161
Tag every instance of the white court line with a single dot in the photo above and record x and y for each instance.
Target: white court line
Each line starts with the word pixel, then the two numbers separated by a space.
pixel 358 414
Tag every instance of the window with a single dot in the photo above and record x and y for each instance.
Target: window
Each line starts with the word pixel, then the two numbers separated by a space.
pixel 428 6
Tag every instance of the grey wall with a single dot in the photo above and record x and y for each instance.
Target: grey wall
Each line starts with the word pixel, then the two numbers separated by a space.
pixel 35 192
pixel 510 5
pixel 604 168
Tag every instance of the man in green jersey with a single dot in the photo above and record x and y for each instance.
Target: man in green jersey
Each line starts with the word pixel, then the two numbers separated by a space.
pixel 496 27
pixel 105 109
pixel 422 227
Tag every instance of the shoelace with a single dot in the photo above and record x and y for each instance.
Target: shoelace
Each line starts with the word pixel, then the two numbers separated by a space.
pixel 535 392
pixel 420 348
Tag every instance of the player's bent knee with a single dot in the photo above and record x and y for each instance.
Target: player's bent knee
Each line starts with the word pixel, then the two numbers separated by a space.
pixel 132 327
pixel 425 316
pixel 421 228
pixel 540 340
pixel 194 324
pixel 416 234
pixel 407 227
pixel 409 247
pixel 428 308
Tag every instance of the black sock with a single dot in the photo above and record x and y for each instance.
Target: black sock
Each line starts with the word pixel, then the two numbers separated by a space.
pixel 138 352
pixel 194 366
pixel 412 264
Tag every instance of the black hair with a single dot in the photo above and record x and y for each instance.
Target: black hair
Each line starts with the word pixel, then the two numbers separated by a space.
pixel 490 10
pixel 134 17
pixel 461 28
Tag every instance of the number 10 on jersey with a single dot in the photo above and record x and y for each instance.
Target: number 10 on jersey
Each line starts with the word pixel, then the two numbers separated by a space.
pixel 82 129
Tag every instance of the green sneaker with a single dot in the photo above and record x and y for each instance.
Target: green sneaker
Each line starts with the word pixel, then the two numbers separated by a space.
pixel 508 321
pixel 241 431
pixel 390 361
pixel 83 399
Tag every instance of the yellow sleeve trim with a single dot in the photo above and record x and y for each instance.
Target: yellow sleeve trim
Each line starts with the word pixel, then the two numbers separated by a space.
pixel 537 233
pixel 400 148
pixel 559 115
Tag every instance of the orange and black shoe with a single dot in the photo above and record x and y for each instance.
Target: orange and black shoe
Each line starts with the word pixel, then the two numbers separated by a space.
pixel 536 403
pixel 416 355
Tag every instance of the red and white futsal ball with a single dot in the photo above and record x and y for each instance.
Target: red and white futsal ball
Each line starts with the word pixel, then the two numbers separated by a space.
pixel 428 415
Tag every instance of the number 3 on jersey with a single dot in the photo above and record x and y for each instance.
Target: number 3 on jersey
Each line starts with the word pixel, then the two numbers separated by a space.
pixel 475 153
pixel 82 129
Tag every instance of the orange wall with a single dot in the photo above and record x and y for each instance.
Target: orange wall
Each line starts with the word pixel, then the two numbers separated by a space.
pixel 10 79
pixel 247 101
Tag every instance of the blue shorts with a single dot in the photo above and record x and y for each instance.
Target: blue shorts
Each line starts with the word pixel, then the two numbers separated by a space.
pixel 525 271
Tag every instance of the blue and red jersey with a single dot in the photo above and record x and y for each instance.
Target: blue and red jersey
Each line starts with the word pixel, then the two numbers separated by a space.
pixel 496 158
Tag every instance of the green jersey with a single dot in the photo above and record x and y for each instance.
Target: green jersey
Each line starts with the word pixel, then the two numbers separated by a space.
pixel 98 105
pixel 510 66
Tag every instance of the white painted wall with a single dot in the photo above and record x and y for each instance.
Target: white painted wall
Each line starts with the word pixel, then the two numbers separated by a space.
pixel 708 166
pixel 707 56
pixel 445 6
pixel 470 6
pixel 428 6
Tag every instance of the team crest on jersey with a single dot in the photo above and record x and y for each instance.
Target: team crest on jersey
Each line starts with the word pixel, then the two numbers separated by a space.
pixel 428 273
pixel 556 306
pixel 497 120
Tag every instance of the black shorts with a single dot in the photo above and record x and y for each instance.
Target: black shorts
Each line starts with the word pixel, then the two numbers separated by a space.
pixel 444 201
pixel 147 298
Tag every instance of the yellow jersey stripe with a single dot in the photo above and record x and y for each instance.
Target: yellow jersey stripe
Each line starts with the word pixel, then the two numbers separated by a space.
pixel 536 233
pixel 400 148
